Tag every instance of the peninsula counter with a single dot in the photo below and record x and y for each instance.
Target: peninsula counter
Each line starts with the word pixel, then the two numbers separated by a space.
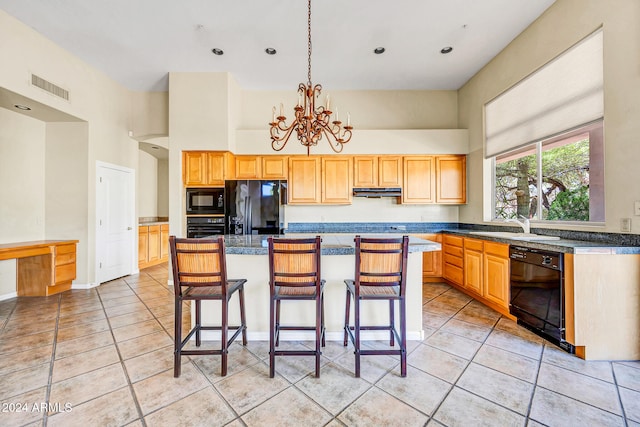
pixel 247 258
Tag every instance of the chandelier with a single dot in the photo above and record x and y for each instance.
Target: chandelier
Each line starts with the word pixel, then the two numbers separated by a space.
pixel 310 121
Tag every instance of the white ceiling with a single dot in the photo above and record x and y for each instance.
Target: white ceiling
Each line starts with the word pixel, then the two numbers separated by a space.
pixel 137 42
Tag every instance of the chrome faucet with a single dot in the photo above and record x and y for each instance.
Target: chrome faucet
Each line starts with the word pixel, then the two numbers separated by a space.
pixel 526 225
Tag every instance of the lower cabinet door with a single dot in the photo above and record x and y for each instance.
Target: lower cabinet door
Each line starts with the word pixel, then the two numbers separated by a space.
pixel 496 279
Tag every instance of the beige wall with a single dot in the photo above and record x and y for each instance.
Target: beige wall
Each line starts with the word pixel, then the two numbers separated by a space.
pixel 66 188
pixel 103 104
pixel 22 174
pixel 562 25
pixel 147 185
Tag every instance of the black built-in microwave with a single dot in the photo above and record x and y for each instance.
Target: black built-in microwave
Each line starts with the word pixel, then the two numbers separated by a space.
pixel 205 201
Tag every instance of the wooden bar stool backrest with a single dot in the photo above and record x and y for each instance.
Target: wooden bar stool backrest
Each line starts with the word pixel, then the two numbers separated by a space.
pixel 294 265
pixel 199 263
pixel 381 265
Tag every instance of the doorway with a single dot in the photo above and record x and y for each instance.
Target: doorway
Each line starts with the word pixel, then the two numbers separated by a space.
pixel 115 221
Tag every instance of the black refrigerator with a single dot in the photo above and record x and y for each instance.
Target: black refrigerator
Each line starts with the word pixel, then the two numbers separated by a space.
pixel 254 207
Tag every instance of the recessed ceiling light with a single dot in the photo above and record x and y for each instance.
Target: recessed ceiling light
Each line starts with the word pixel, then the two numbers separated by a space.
pixel 217 51
pixel 379 50
pixel 446 50
pixel 270 51
pixel 22 107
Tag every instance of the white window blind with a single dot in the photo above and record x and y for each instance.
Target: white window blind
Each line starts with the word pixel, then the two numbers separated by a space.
pixel 564 93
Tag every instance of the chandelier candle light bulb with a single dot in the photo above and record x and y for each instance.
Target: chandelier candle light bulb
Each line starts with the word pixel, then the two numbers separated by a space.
pixel 310 122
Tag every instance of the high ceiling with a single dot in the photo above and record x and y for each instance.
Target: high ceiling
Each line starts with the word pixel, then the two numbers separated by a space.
pixel 137 42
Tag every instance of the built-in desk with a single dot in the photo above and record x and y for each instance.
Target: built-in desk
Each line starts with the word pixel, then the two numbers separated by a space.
pixel 43 267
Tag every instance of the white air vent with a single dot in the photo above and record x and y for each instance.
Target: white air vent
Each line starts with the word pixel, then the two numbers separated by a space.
pixel 49 87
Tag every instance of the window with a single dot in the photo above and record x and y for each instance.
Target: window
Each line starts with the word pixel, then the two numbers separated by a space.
pixel 556 179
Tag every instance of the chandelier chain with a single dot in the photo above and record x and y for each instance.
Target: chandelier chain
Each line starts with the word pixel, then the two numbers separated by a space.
pixel 309 43
pixel 311 121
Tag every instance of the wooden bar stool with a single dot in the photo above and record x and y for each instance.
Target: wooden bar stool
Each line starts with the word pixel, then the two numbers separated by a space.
pixel 381 274
pixel 200 273
pixel 294 274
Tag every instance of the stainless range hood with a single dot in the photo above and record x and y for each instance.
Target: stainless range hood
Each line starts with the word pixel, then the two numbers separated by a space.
pixel 377 192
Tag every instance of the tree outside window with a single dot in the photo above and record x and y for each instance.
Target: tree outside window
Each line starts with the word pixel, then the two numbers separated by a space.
pixel 557 179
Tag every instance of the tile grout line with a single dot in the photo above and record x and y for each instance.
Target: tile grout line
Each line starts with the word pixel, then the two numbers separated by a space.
pixel 453 385
pixel 615 382
pixel 122 364
pixel 47 395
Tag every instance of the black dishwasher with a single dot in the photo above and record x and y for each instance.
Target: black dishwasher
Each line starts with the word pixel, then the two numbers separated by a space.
pixel 537 293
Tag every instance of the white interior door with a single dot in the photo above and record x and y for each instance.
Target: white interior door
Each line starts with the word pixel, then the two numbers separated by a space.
pixel 115 228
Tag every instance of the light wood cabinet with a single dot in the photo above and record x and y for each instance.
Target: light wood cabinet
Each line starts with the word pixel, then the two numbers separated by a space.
pixel 473 265
pixel 418 184
pixel 143 246
pixel 337 183
pixel 304 180
pixel 43 267
pixel 453 259
pixel 451 179
pixel 204 168
pixel 390 171
pixel 65 264
pixel 153 245
pixel 164 241
pixel 248 167
pixel 479 268
pixel 496 273
pixel 435 179
pixel 365 171
pixel 275 167
pixel 258 167
pixel 432 261
pixel 377 171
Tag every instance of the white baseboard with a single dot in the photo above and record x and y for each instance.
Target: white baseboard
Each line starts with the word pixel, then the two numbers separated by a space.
pixel 308 336
pixel 8 296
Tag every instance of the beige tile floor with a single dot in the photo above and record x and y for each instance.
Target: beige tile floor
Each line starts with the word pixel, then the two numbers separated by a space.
pixel 104 357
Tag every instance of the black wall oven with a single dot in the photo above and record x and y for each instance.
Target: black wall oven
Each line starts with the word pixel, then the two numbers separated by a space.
pixel 204 226
pixel 205 201
pixel 537 293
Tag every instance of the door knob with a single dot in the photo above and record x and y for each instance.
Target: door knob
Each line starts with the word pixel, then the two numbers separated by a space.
pixel 129 228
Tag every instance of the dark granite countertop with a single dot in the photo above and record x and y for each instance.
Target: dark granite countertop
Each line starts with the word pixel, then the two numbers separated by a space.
pixel 562 245
pixel 577 242
pixel 332 244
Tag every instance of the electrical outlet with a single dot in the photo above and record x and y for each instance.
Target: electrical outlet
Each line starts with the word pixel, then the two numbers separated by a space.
pixel 636 208
pixel 625 225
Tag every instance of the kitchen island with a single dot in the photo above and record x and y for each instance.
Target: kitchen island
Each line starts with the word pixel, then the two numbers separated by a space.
pixel 247 257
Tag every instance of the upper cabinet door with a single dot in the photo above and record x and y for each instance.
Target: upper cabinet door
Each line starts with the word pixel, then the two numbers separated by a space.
pixel 337 183
pixel 216 168
pixel 274 167
pixel 419 179
pixel 365 171
pixel 304 180
pixel 247 167
pixel 194 168
pixel 390 171
pixel 451 178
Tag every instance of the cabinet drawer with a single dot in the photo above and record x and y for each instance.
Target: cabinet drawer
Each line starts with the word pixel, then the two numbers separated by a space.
pixel 65 273
pixel 452 240
pixel 473 244
pixel 164 227
pixel 65 259
pixel 154 229
pixel 453 273
pixel 452 250
pixel 453 260
pixel 498 249
pixel 65 249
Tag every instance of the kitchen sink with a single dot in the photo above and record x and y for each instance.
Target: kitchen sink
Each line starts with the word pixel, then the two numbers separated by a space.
pixel 514 236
